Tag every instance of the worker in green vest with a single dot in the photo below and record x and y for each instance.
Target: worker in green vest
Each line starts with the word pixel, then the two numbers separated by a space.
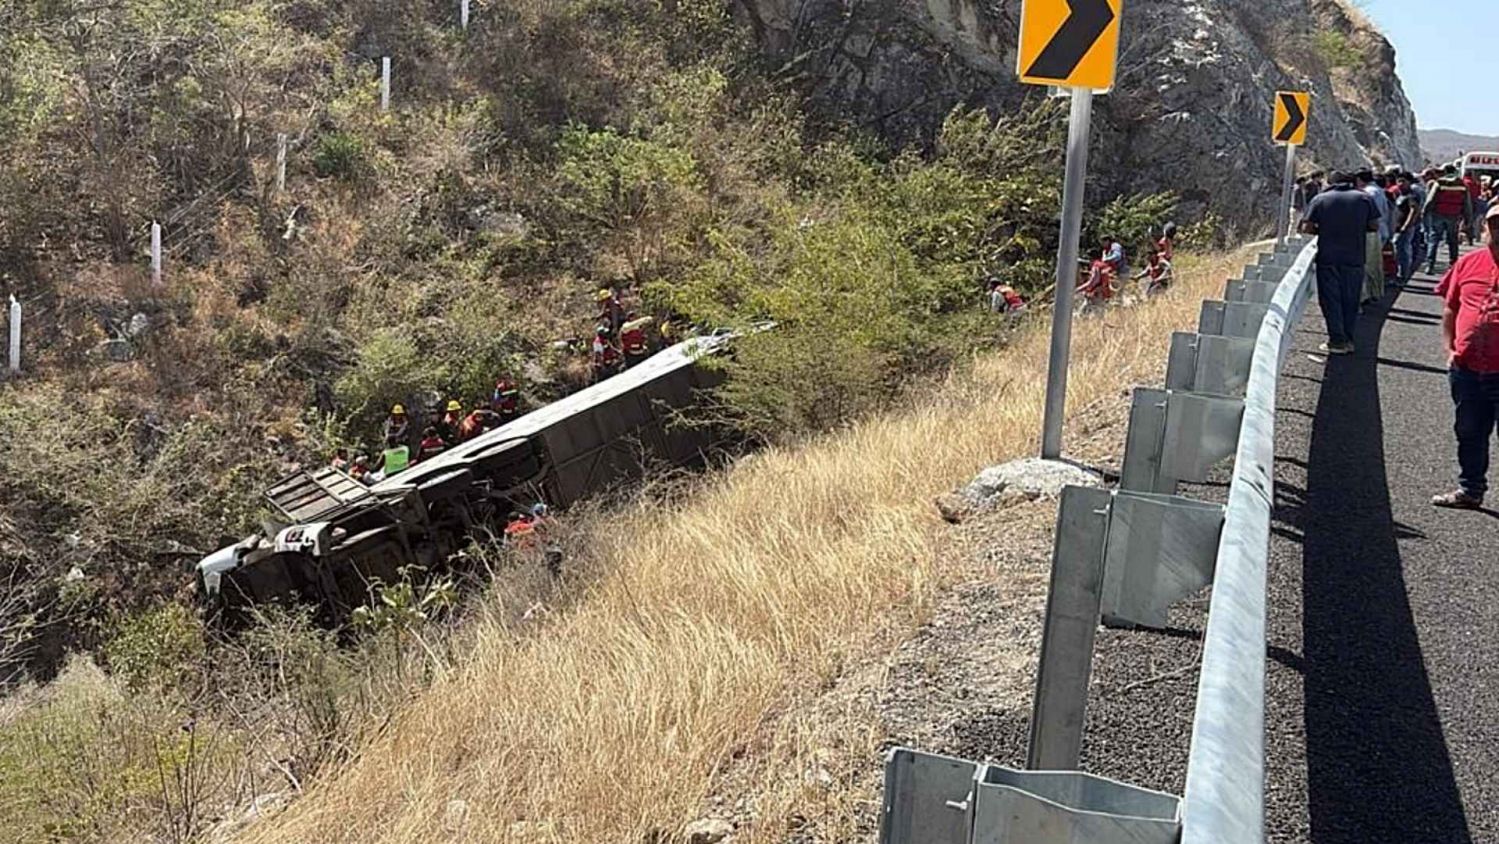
pixel 395 458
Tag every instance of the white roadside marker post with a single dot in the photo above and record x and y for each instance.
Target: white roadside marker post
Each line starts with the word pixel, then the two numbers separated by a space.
pixel 15 336
pixel 385 84
pixel 155 254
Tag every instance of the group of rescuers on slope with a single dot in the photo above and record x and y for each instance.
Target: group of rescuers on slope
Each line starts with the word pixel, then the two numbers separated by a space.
pixel 1100 275
pixel 621 340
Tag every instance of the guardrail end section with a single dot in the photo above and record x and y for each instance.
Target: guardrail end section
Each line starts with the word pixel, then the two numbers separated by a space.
pixel 1069 807
pixel 931 799
pixel 928 798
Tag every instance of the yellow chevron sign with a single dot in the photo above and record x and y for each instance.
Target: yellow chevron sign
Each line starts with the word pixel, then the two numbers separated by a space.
pixel 1070 43
pixel 1293 111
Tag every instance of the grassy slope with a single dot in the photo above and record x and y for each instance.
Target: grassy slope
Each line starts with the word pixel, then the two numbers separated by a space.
pixel 610 725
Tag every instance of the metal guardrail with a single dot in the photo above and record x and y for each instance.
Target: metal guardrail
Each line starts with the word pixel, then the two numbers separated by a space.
pixel 1123 557
pixel 1225 794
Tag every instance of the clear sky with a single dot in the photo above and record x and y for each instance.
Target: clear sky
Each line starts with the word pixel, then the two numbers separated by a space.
pixel 1435 41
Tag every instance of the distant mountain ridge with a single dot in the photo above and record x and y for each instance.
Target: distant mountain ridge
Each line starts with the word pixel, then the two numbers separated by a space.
pixel 1446 144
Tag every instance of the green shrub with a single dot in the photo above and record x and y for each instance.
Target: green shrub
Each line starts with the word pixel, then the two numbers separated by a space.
pixel 1336 50
pixel 156 648
pixel 391 367
pixel 1132 218
pixel 339 155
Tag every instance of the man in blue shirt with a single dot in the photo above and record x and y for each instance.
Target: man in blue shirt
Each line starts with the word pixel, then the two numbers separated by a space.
pixel 1341 218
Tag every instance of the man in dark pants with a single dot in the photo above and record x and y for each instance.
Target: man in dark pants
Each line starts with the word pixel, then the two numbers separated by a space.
pixel 1341 217
pixel 1470 325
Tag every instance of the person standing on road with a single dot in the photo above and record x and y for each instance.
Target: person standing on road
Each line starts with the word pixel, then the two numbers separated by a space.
pixel 1374 245
pixel 1342 218
pixel 1470 326
pixel 1407 216
pixel 1450 204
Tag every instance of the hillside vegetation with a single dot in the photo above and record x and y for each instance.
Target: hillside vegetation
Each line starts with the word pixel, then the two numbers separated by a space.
pixel 555 147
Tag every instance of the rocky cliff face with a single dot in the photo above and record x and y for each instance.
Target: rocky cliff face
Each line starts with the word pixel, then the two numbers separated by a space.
pixel 1191 112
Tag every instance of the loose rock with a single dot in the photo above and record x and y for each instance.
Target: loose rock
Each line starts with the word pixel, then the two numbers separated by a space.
pixel 708 831
pixel 1024 480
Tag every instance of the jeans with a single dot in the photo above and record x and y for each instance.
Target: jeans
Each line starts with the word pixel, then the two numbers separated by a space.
pixel 1338 289
pixel 1477 399
pixel 1442 228
pixel 1405 258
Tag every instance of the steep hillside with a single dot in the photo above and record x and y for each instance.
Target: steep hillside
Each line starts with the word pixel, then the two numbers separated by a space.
pixel 1192 109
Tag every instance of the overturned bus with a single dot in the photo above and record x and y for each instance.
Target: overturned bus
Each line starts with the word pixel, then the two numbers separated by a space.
pixel 330 537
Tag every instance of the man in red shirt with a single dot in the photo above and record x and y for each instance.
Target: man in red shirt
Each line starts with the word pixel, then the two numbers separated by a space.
pixel 1470 326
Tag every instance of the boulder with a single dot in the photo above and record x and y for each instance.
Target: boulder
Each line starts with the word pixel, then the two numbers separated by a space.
pixel 1018 481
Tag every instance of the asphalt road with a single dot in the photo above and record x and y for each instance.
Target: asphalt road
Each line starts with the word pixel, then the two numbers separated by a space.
pixel 1382 714
pixel 1387 732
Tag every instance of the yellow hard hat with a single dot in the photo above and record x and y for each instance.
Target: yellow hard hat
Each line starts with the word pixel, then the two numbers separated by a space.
pixel 454 406
pixel 604 295
pixel 398 410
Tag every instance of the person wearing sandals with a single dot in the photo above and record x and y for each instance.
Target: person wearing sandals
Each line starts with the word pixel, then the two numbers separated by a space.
pixel 1470 326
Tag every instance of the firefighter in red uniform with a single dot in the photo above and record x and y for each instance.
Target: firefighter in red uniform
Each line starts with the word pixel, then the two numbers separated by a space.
pixel 632 340
pixel 480 421
pixel 432 445
pixel 605 355
pixel 506 400
pixel 1450 205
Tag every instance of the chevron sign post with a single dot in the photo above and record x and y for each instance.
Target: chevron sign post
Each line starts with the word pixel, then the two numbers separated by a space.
pixel 1069 44
pixel 1293 111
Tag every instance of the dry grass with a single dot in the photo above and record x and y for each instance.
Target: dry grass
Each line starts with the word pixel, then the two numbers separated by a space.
pixel 611 724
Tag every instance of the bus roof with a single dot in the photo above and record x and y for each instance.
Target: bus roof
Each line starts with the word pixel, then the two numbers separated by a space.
pixel 1481 161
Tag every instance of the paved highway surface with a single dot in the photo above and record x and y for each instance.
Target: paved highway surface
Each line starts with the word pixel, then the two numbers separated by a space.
pixel 1383 709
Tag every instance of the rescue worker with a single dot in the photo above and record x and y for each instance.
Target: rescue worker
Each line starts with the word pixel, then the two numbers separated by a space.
pixel 1158 271
pixel 432 444
pixel 518 530
pixel 1003 299
pixel 632 340
pixel 604 356
pixel 359 470
pixel 611 312
pixel 1450 204
pixel 506 400
pixel 1113 254
pixel 452 420
pixel 397 425
pixel 395 458
pixel 1167 244
pixel 480 421
pixel 1101 284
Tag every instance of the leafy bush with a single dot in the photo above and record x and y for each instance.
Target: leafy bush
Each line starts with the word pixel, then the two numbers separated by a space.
pixel 339 155
pixel 391 367
pixel 1132 218
pixel 156 648
pixel 1336 50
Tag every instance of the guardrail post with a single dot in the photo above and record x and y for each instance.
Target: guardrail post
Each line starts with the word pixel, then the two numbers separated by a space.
pixel 1231 319
pixel 1175 437
pixel 1209 363
pixel 1071 623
